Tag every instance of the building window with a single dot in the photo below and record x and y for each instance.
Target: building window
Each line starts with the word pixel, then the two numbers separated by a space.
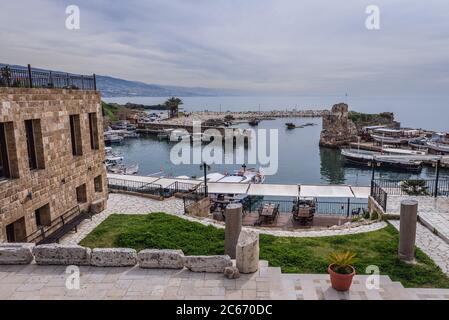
pixel 81 194
pixel 98 184
pixel 75 135
pixel 4 162
pixel 16 231
pixel 35 146
pixel 43 217
pixel 93 127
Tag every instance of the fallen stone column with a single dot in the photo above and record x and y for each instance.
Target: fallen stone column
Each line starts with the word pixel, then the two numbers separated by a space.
pixel 207 263
pixel 247 251
pixel 161 259
pixel 113 257
pixel 56 254
pixel 16 253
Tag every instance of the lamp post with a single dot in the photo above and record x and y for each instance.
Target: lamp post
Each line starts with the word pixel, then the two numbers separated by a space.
pixel 373 165
pixel 437 177
pixel 205 167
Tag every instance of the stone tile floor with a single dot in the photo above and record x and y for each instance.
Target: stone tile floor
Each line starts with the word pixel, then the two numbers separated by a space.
pixel 49 283
pixel 129 204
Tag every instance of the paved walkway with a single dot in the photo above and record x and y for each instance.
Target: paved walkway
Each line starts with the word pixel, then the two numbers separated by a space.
pixel 128 204
pixel 433 212
pixel 432 245
pixel 49 283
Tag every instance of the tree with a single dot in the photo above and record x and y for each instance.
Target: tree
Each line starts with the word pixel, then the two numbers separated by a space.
pixel 172 105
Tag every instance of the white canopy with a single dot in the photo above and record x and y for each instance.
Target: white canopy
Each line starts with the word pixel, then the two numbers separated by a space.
pixel 361 192
pixel 132 178
pixel 227 187
pixel 325 191
pixel 281 190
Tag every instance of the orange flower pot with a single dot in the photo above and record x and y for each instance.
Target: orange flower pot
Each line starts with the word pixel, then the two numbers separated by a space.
pixel 341 282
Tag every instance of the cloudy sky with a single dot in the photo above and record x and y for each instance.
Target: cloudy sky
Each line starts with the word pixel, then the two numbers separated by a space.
pixel 264 46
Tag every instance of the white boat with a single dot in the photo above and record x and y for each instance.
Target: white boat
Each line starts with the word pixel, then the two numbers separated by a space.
pixel 395 136
pixel 112 138
pixel 179 135
pixel 365 157
pixel 438 146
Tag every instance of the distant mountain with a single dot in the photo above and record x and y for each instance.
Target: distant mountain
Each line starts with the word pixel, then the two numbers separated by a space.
pixel 115 87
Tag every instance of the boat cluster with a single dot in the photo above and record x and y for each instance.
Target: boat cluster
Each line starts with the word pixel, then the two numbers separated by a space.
pixel 405 149
pixel 114 163
pixel 176 135
pixel 116 133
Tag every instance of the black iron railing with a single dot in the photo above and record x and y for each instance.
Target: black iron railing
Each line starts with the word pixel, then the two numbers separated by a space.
pixel 187 188
pixel 338 207
pixel 45 232
pixel 135 186
pixel 379 194
pixel 27 77
pixel 414 187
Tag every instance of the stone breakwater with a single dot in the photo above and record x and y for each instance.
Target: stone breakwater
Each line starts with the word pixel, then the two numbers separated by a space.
pixel 204 116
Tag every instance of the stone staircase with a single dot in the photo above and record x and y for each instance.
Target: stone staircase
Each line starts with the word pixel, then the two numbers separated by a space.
pixel 288 286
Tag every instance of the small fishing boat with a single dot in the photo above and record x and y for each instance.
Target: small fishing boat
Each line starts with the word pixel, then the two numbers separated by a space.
pixel 365 157
pixel 290 125
pixel 112 138
pixel 439 143
pixel 254 122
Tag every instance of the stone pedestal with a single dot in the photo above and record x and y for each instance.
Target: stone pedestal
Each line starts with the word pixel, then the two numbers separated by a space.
pixel 247 259
pixel 233 227
pixel 407 233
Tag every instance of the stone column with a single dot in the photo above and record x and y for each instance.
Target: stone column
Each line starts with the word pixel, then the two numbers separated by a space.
pixel 233 227
pixel 407 233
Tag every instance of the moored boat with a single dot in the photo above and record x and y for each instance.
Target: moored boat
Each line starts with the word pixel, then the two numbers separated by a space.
pixel 395 136
pixel 365 157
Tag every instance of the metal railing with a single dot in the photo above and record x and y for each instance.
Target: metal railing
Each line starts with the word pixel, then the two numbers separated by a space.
pixel 379 194
pixel 45 232
pixel 136 186
pixel 414 187
pixel 199 190
pixel 26 77
pixel 344 208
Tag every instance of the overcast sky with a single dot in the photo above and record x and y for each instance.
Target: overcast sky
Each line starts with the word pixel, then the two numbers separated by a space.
pixel 266 46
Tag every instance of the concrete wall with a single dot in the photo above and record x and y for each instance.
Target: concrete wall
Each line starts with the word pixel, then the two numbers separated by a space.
pixel 56 184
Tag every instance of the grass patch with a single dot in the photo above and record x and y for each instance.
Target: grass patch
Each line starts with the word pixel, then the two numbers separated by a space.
pixel 293 255
pixel 110 111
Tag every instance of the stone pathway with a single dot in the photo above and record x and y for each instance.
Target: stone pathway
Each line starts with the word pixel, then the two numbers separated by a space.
pixel 49 283
pixel 129 204
pixel 432 212
pixel 432 245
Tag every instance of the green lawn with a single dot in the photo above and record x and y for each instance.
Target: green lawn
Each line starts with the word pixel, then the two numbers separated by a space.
pixel 293 255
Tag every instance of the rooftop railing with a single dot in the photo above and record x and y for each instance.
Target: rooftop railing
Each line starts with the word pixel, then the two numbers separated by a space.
pixel 27 77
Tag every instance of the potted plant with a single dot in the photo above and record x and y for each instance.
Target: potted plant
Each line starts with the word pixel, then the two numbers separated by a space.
pixel 341 270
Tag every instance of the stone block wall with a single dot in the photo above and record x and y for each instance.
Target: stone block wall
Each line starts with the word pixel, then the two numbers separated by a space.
pixel 55 185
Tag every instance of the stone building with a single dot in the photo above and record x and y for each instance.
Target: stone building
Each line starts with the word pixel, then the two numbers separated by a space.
pixel 51 159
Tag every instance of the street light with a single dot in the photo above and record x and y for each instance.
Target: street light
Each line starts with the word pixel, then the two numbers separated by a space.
pixel 204 166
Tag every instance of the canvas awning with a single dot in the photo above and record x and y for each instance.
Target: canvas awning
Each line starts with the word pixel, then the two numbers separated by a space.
pixel 227 187
pixel 275 190
pixel 361 192
pixel 132 178
pixel 308 191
